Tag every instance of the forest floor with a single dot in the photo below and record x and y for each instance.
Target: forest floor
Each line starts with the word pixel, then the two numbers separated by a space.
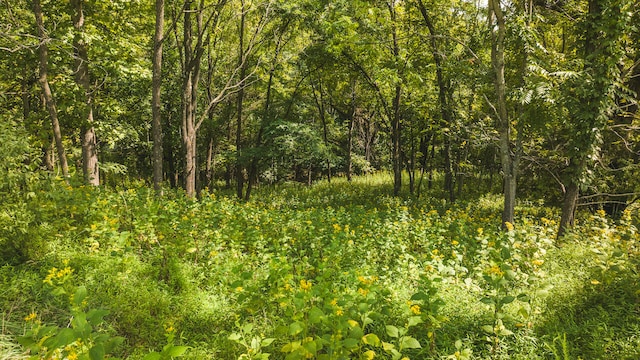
pixel 331 271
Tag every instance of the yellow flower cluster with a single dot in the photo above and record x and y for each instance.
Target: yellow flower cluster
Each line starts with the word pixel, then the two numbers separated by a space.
pixel 305 285
pixel 367 280
pixel 495 269
pixel 56 274
pixel 415 308
pixel 509 226
pixel 31 317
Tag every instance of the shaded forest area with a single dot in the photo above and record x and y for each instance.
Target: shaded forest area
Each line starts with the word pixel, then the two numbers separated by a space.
pixel 295 179
pixel 538 99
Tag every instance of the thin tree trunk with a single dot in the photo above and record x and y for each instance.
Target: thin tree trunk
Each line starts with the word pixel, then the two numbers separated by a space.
pixel 445 106
pixel 46 90
pixel 395 120
pixel 509 164
pixel 242 65
pixel 88 135
pixel 266 116
pixel 156 103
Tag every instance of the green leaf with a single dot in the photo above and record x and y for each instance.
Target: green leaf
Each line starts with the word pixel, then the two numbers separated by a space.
pixel 80 295
pixel 408 342
pixel 152 356
pixel 507 299
pixel 350 343
pixel 387 346
pixel 487 300
pixel 291 347
pixel 392 331
pixel 296 328
pixel 96 316
pixel 488 329
pixel 315 315
pixel 176 351
pixel 65 337
pixel 413 321
pixel 371 339
pixel 234 337
pixel 97 352
pixel 420 296
pixel 266 342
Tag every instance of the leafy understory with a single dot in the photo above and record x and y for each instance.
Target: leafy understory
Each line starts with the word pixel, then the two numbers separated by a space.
pixel 333 271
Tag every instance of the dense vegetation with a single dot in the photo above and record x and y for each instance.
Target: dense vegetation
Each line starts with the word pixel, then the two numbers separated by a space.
pixel 319 179
pixel 340 270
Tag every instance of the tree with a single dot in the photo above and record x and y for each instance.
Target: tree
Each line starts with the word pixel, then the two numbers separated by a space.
pixel 81 72
pixel 509 159
pixel 43 51
pixel 156 103
pixel 591 96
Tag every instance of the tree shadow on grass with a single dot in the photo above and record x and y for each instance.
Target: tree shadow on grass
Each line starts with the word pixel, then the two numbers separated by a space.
pixel 600 322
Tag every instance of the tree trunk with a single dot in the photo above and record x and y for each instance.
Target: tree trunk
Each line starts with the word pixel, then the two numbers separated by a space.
pixel 156 104
pixel 239 108
pixel 569 206
pixel 88 135
pixel 395 120
pixel 266 116
pixel 191 78
pixel 445 106
pixel 46 90
pixel 509 163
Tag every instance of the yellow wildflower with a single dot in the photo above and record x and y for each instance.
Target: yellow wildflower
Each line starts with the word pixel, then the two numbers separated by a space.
pixel 337 227
pixel 508 225
pixel 239 289
pixel 415 308
pixel 480 231
pixel 339 312
pixel 31 317
pixel 537 262
pixel 72 356
pixel 495 269
pixel 334 302
pixel 455 242
pixel 595 282
pixel 305 284
pixel 363 292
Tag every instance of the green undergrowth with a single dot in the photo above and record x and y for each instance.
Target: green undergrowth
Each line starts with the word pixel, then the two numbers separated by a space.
pixel 332 271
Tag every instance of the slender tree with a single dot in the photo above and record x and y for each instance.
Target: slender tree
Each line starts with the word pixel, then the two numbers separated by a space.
pixel 509 159
pixel 81 68
pixel 43 51
pixel 156 103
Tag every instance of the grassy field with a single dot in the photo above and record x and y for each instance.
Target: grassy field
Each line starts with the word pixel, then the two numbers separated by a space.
pixel 332 271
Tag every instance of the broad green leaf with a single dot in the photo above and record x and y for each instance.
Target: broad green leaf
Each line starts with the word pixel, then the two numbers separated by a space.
pixel 176 351
pixel 79 295
pixel 97 352
pixel 392 331
pixel 408 342
pixel 371 339
pixel 152 356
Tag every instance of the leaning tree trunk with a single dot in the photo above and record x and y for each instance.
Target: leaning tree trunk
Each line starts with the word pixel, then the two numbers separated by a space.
pixel 46 89
pixel 88 134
